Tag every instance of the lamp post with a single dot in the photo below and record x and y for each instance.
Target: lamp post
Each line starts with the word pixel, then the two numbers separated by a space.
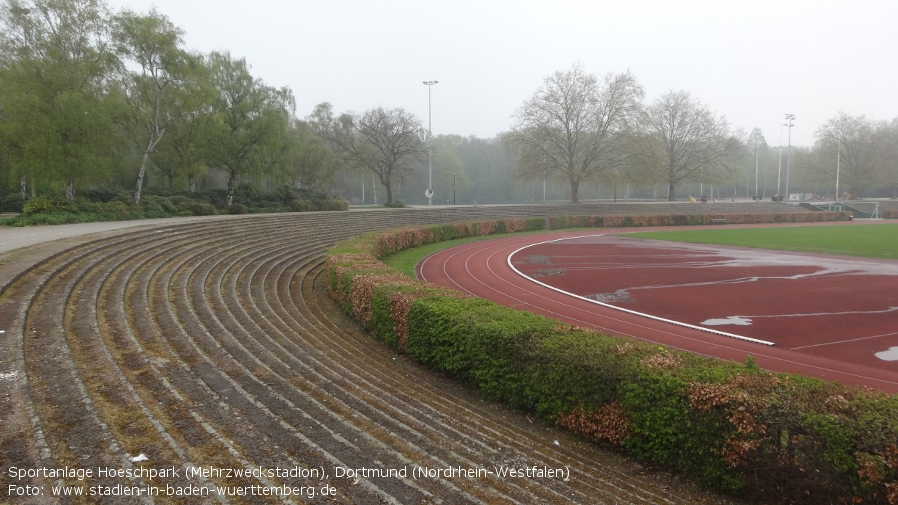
pixel 429 192
pixel 790 118
pixel 779 176
pixel 838 163
pixel 756 169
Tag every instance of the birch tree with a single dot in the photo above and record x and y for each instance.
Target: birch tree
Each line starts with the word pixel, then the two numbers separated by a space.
pixel 151 44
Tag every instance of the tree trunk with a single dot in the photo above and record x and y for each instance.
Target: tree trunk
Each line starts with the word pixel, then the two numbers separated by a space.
pixel 140 174
pixel 232 182
pixel 23 186
pixel 575 188
pixel 70 191
pixel 389 187
pixel 670 191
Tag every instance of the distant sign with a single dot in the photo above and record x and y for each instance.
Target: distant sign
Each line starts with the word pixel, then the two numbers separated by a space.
pixel 428 193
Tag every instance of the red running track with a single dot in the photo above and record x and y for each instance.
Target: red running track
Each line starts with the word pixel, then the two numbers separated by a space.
pixel 585 281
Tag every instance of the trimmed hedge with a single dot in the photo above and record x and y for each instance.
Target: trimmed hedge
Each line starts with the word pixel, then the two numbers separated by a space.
pixel 733 427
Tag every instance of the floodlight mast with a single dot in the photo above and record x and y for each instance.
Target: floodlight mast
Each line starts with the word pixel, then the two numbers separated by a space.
pixel 838 164
pixel 429 193
pixel 790 118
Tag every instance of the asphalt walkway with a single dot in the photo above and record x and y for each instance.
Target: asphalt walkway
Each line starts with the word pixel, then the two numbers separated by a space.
pixel 12 238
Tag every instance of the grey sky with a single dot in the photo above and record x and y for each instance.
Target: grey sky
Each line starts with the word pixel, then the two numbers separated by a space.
pixel 752 62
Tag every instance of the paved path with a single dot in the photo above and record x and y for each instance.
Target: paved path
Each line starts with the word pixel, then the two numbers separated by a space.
pixel 12 238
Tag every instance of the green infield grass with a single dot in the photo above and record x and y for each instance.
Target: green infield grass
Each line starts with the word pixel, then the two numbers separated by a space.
pixel 867 240
pixel 406 261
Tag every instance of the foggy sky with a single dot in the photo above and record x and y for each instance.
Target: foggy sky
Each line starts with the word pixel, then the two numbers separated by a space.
pixel 752 62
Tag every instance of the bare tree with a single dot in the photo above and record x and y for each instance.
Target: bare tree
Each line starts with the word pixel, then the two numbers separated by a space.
pixel 384 141
pixel 688 141
pixel 571 128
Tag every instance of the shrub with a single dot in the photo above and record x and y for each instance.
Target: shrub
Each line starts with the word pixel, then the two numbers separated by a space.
pixel 83 205
pixel 217 197
pixel 333 204
pixel 106 195
pixel 444 232
pixel 106 205
pixel 300 205
pixel 401 239
pixel 245 194
pixel 238 208
pixel 156 204
pixel 197 208
pixel 47 205
pixel 118 209
pixel 13 202
pixel 178 200
pixel 534 224
pixel 558 222
pixel 512 225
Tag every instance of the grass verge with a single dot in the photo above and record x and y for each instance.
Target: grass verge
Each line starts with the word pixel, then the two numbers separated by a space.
pixel 405 261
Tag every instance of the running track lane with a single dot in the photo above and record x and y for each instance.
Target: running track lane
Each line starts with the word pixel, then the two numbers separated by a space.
pixel 481 269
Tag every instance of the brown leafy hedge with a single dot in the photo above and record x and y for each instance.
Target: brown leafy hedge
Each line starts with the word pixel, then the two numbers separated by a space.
pixel 771 437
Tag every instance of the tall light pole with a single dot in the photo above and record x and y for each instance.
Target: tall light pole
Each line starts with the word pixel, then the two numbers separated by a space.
pixel 790 118
pixel 756 169
pixel 779 176
pixel 838 163
pixel 429 192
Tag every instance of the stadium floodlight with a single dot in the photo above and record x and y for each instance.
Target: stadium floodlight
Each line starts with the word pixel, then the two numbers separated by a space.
pixel 790 118
pixel 429 192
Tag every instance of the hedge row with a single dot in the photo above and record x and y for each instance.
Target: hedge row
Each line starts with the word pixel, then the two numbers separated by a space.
pixel 120 206
pixel 729 426
pixel 890 214
pixel 561 222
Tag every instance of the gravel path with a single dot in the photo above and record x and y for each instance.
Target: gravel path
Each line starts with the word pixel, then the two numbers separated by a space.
pixel 209 349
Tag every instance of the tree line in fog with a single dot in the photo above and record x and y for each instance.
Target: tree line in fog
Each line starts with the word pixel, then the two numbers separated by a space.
pixel 91 98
